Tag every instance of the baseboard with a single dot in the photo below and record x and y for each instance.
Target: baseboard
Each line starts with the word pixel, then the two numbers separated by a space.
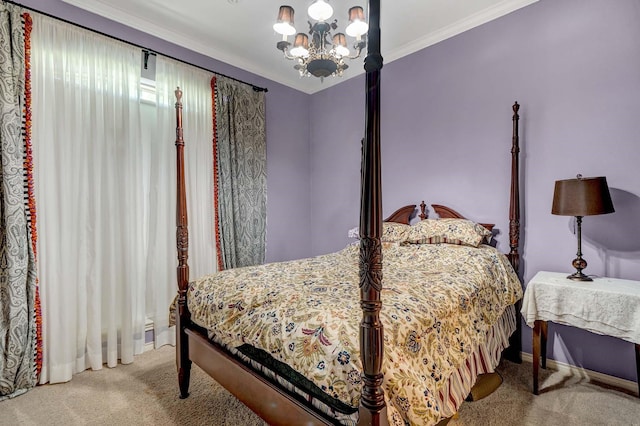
pixel 148 335
pixel 594 376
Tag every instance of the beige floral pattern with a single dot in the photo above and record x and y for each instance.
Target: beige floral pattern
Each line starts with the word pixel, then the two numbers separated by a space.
pixel 439 301
pixel 393 232
pixel 451 231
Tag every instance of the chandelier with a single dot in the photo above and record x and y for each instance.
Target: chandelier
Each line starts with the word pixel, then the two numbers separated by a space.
pixel 322 53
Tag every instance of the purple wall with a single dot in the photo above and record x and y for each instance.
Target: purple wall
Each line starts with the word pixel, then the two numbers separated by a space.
pixel 446 134
pixel 287 146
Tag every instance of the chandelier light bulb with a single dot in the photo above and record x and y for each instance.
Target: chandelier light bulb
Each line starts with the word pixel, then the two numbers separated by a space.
pixel 284 28
pixel 357 29
pixel 342 51
pixel 299 52
pixel 320 10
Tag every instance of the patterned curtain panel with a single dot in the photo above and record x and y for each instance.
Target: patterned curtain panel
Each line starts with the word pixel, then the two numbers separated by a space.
pixel 18 290
pixel 240 173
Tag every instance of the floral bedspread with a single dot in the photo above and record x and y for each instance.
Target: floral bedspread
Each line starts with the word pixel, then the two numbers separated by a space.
pixel 439 301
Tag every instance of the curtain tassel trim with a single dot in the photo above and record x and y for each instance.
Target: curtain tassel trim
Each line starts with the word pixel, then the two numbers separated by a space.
pixel 30 189
pixel 216 224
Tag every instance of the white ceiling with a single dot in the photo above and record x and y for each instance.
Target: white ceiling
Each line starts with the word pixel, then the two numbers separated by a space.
pixel 240 33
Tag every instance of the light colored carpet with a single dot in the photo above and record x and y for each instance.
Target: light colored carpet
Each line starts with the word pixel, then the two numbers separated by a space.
pixel 146 393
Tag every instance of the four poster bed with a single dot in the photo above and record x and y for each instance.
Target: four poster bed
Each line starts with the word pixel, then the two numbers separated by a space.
pixel 288 340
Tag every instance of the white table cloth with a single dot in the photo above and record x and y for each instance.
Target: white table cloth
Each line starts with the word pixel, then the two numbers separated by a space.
pixel 607 306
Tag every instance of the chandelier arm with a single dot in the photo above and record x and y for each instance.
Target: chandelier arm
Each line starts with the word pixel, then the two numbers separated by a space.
pixel 356 56
pixel 358 48
pixel 287 55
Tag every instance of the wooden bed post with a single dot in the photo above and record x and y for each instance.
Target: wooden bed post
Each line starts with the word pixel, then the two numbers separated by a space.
pixel 372 404
pixel 512 353
pixel 514 205
pixel 183 318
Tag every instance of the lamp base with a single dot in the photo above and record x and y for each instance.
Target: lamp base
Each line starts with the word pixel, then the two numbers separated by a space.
pixel 579 263
pixel 579 276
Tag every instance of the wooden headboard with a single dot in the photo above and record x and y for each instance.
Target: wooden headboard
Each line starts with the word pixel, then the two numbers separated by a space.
pixel 404 214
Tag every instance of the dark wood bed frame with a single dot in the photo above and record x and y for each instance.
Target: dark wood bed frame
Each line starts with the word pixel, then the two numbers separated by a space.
pixel 271 402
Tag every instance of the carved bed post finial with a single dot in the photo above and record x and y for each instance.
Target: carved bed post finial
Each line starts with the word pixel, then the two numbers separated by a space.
pixel 182 245
pixel 423 210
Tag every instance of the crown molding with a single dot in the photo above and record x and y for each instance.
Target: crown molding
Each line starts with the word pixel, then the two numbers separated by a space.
pixel 498 10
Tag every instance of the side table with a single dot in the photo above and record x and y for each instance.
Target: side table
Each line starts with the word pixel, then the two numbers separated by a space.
pixel 607 306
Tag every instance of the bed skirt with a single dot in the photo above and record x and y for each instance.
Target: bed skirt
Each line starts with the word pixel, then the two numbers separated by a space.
pixel 484 359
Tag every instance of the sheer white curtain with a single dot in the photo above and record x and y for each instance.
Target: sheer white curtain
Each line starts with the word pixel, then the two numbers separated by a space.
pixel 105 188
pixel 198 136
pixel 88 176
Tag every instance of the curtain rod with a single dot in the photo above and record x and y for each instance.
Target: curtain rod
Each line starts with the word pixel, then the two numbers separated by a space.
pixel 255 88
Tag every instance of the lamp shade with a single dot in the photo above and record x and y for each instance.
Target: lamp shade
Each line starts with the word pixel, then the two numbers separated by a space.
pixel 284 23
pixel 582 197
pixel 300 45
pixel 340 44
pixel 357 26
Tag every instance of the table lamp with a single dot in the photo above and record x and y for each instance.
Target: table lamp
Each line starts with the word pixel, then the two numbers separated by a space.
pixel 579 197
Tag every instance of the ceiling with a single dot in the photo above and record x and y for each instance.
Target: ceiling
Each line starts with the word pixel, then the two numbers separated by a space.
pixel 240 33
